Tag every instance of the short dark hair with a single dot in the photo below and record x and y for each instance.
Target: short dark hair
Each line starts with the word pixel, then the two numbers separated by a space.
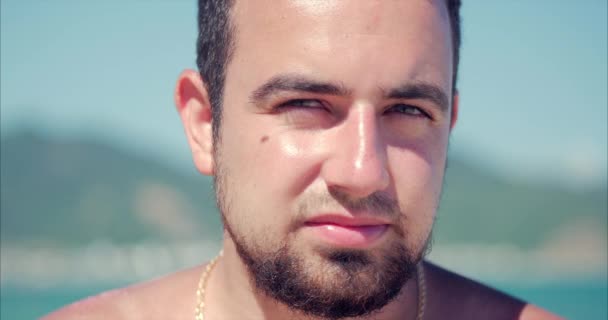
pixel 215 46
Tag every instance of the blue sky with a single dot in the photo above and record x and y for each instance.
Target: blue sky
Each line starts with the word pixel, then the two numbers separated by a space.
pixel 533 79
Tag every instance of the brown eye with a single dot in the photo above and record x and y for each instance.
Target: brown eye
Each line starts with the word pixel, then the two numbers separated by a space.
pixel 408 110
pixel 303 103
pixel 305 113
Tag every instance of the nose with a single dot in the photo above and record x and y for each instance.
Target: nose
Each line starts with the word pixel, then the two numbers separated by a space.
pixel 357 161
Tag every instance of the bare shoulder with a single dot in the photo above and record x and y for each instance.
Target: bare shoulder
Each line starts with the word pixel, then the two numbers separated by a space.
pixel 532 312
pixel 107 305
pixel 463 298
pixel 170 296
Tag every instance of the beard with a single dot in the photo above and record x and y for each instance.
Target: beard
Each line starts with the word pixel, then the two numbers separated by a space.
pixel 333 283
pixel 349 284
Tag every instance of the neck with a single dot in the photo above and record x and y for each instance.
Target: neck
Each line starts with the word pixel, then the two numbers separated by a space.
pixel 231 294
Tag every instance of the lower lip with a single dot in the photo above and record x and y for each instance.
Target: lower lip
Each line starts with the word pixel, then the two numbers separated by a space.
pixel 347 236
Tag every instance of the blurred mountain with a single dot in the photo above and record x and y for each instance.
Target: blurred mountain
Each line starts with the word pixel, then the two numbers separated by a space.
pixel 480 206
pixel 76 192
pixel 72 193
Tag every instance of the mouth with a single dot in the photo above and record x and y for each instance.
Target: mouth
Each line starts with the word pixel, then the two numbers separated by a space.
pixel 346 231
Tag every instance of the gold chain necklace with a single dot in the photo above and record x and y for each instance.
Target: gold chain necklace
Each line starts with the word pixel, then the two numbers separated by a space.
pixel 421 283
pixel 199 311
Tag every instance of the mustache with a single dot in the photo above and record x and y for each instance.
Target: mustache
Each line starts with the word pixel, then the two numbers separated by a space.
pixel 377 203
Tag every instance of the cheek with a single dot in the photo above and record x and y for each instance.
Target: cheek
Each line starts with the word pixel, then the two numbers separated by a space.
pixel 418 178
pixel 419 165
pixel 267 170
pixel 293 160
pixel 415 176
pixel 417 197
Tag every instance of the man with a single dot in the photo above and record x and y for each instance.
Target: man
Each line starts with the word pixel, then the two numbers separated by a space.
pixel 325 125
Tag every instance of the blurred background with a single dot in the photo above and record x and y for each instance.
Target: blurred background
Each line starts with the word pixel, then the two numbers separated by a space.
pixel 98 189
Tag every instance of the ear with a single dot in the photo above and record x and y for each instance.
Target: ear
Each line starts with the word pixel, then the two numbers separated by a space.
pixel 194 108
pixel 454 115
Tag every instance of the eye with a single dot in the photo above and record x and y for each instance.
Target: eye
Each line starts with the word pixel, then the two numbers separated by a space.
pixel 409 110
pixel 305 113
pixel 303 103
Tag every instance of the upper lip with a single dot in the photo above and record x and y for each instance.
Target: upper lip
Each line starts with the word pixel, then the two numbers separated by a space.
pixel 347 220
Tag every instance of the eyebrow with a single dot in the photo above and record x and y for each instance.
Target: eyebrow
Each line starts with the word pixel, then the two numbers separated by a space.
pixel 299 83
pixel 421 90
pixel 296 83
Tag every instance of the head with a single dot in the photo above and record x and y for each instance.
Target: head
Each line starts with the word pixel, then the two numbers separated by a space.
pixel 325 125
pixel 216 43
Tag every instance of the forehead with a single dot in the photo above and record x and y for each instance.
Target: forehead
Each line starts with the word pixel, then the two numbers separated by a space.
pixel 383 40
pixel 371 16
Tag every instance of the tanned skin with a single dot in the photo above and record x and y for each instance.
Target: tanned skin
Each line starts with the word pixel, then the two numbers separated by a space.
pixel 172 297
pixel 322 98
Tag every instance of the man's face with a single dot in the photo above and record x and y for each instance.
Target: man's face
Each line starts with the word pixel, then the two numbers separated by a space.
pixel 336 117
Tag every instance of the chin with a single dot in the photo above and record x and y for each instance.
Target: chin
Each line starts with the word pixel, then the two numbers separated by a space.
pixel 331 282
